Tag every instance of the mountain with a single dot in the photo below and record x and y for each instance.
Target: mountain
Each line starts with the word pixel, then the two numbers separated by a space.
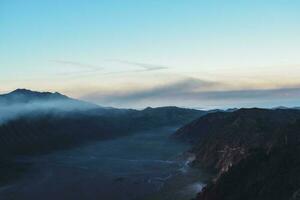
pixel 24 102
pixel 26 96
pixel 40 99
pixel 254 153
pixel 35 122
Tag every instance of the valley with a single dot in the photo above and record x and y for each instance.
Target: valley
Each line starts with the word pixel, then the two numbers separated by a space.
pixel 52 150
pixel 140 166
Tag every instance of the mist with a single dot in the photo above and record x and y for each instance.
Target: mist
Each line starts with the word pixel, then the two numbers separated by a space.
pixel 10 111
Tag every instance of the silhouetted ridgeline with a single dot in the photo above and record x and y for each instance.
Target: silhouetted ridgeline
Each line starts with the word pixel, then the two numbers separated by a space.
pixel 255 153
pixel 34 122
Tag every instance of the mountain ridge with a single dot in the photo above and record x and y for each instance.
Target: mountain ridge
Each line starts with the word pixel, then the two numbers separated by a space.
pixel 252 152
pixel 25 95
pixel 46 121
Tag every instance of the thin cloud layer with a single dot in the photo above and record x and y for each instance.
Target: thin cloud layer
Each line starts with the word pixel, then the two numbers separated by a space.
pixel 174 89
pixel 192 91
pixel 84 68
pixel 77 64
pixel 87 69
pixel 146 66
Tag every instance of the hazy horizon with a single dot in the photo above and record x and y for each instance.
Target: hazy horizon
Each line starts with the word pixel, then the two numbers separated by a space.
pixel 40 105
pixel 135 54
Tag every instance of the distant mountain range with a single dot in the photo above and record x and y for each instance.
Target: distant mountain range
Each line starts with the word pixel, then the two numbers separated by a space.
pixel 254 153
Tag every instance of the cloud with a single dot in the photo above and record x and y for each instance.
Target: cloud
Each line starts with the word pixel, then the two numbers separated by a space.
pixel 145 66
pixel 162 91
pixel 13 110
pixel 91 69
pixel 85 68
pixel 77 64
pixel 189 91
pixel 254 93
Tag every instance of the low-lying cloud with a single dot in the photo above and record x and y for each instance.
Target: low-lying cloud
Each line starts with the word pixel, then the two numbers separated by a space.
pixel 33 108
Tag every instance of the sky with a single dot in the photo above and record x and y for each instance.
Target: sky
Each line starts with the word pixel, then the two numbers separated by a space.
pixel 139 53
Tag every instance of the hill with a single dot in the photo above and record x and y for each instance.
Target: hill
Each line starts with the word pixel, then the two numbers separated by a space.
pixel 254 153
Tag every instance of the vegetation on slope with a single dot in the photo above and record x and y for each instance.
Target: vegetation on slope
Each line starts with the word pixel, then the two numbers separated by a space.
pixel 254 152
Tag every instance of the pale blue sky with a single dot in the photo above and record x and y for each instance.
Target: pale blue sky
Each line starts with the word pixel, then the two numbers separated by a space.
pixel 124 52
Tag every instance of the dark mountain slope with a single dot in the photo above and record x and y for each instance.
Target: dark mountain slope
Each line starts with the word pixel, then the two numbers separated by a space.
pixel 165 115
pixel 263 175
pixel 221 139
pixel 254 152
pixel 49 131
